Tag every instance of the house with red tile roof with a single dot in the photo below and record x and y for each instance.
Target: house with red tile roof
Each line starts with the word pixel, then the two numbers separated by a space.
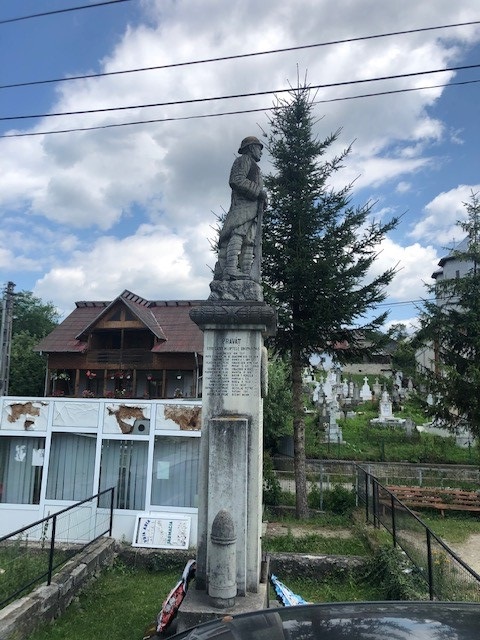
pixel 125 348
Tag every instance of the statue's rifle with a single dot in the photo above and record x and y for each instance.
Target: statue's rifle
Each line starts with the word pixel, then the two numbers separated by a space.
pixel 257 262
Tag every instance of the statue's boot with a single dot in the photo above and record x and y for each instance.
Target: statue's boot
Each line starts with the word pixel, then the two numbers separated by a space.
pixel 231 262
pixel 246 260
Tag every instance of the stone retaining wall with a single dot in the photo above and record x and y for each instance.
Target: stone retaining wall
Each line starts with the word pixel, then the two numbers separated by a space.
pixel 285 565
pixel 45 603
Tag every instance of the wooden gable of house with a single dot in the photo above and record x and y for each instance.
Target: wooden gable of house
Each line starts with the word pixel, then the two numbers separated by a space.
pixel 120 317
pixel 132 346
pixel 119 336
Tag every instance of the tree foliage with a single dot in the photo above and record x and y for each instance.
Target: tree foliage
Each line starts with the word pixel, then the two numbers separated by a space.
pixel 403 355
pixel 277 407
pixel 32 320
pixel 318 252
pixel 450 327
pixel 32 315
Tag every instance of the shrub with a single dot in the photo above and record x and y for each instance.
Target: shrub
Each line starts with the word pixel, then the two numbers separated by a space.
pixel 339 500
pixel 272 491
pixel 390 569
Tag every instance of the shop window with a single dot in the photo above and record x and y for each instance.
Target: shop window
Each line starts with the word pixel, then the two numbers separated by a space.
pixel 175 471
pixel 123 466
pixel 71 467
pixel 21 469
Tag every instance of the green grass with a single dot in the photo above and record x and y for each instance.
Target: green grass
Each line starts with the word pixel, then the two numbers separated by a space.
pixel 120 604
pixel 454 528
pixel 330 520
pixel 364 441
pixel 315 543
pixel 345 588
pixel 123 602
pixel 22 565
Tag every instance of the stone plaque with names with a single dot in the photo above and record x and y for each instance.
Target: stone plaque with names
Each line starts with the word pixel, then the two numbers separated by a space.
pixel 232 367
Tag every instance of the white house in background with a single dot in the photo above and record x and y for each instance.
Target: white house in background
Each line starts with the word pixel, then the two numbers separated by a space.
pixel 56 451
pixel 450 268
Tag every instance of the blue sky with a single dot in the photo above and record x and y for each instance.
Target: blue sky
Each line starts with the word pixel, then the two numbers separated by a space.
pixel 87 214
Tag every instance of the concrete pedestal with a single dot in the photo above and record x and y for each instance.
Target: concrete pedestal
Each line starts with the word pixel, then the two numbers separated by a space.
pixel 197 608
pixel 230 475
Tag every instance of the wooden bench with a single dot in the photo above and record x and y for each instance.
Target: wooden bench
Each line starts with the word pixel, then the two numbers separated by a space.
pixel 437 498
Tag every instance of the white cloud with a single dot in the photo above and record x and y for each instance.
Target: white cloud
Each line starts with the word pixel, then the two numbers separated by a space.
pixel 153 263
pixel 412 324
pixel 415 264
pixel 403 187
pixel 153 187
pixel 438 223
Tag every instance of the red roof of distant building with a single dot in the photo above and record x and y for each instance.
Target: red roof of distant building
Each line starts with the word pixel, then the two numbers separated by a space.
pixel 168 320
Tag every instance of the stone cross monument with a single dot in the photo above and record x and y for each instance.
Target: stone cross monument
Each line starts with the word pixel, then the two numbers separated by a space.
pixel 235 320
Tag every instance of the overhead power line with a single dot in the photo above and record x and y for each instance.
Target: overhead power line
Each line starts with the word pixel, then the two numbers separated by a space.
pixel 50 13
pixel 237 95
pixel 236 56
pixel 225 113
pixel 405 302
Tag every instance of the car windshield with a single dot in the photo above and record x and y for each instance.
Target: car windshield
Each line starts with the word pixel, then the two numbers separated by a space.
pixel 365 621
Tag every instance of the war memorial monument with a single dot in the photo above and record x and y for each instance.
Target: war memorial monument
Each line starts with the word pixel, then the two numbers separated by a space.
pixel 234 320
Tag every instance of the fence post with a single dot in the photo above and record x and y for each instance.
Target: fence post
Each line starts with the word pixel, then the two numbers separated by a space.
pixel 321 487
pixel 366 497
pixel 112 490
pixel 375 503
pixel 430 565
pixel 52 549
pixel 394 528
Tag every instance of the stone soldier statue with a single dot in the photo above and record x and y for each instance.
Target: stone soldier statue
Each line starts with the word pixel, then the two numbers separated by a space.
pixel 239 242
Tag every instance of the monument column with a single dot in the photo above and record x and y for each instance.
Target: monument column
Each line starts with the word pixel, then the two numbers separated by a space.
pixel 234 383
pixel 234 321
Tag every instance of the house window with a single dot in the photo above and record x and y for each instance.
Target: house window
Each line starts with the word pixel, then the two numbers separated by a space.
pixel 21 469
pixel 71 467
pixel 179 384
pixel 175 471
pixel 123 466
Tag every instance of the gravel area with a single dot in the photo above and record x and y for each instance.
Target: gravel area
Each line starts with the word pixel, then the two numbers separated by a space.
pixel 469 551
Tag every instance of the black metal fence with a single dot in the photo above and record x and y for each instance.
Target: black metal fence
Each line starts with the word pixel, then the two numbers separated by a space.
pixel 31 555
pixel 448 577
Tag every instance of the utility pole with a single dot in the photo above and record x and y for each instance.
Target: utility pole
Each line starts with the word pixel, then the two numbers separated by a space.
pixel 6 337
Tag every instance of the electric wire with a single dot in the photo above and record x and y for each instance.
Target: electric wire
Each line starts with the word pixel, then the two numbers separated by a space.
pixel 404 302
pixel 115 125
pixel 239 95
pixel 227 58
pixel 50 13
pixel 238 56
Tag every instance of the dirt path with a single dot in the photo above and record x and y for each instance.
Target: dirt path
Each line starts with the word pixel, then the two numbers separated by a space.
pixel 469 551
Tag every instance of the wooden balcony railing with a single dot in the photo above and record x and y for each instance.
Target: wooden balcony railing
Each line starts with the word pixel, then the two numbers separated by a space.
pixel 120 356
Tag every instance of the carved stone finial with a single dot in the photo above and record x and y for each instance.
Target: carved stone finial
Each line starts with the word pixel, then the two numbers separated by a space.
pixel 223 570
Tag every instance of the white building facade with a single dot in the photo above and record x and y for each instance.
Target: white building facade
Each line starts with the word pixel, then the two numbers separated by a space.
pixel 57 451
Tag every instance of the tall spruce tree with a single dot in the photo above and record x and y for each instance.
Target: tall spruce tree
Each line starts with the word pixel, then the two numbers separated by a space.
pixel 317 252
pixel 450 330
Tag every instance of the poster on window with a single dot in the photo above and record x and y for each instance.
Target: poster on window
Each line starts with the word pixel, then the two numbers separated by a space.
pixel 162 531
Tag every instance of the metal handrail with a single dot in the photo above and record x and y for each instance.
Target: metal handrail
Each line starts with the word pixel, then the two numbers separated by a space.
pixel 51 566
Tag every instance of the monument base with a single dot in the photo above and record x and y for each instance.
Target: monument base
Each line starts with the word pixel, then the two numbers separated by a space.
pixel 197 607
